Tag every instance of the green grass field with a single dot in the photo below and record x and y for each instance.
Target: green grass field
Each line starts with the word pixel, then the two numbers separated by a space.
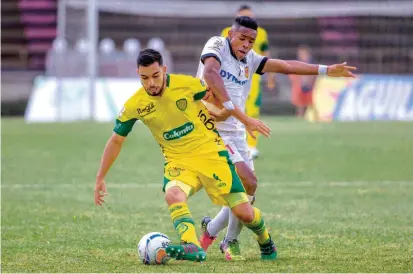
pixel 336 197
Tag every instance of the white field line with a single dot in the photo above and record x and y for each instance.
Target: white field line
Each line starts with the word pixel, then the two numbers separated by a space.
pixel 131 185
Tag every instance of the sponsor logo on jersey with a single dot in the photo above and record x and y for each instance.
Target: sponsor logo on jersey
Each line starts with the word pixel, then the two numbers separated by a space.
pixel 217 46
pixel 148 109
pixel 182 104
pixel 247 72
pixel 179 132
pixel 229 76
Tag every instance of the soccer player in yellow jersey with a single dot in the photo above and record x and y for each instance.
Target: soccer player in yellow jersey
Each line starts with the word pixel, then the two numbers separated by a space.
pixel 195 155
pixel 253 105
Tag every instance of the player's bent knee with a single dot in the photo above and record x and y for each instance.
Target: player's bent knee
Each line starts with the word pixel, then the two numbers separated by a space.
pixel 177 192
pixel 244 212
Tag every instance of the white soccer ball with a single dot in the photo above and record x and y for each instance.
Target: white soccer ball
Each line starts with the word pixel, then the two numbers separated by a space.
pixel 151 248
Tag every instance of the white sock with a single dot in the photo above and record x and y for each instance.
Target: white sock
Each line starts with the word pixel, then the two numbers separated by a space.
pixel 219 222
pixel 235 225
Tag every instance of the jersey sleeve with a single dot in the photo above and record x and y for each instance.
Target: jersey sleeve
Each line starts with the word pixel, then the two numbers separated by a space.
pixel 125 120
pixel 213 48
pixel 198 88
pixel 258 62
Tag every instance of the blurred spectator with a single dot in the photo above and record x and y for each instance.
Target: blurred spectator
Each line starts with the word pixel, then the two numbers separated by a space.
pixel 80 57
pixel 159 45
pixel 131 48
pixel 108 55
pixel 302 86
pixel 56 58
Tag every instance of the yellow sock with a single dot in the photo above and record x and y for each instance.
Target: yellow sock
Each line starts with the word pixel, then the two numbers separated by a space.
pixel 183 223
pixel 258 227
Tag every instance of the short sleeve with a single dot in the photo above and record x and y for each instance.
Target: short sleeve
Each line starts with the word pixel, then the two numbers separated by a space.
pixel 198 88
pixel 258 62
pixel 214 48
pixel 125 121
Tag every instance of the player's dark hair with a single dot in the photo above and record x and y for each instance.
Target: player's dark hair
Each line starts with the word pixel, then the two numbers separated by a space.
pixel 244 7
pixel 149 56
pixel 246 21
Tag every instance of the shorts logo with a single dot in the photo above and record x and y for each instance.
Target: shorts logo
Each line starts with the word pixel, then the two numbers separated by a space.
pixel 247 72
pixel 178 132
pixel 221 183
pixel 182 104
pixel 181 228
pixel 174 171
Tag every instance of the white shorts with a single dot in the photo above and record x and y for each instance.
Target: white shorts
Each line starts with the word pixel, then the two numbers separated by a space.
pixel 236 143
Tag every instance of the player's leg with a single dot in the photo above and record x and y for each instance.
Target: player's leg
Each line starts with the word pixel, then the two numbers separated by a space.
pixel 211 227
pixel 252 219
pixel 179 185
pixel 245 170
pixel 231 191
pixel 252 109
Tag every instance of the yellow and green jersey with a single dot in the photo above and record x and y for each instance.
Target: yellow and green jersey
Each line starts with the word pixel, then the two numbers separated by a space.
pixel 261 42
pixel 178 119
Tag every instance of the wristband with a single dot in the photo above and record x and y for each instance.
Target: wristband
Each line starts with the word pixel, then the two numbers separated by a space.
pixel 228 105
pixel 322 70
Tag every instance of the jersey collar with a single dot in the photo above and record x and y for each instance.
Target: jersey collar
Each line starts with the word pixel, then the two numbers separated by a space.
pixel 244 60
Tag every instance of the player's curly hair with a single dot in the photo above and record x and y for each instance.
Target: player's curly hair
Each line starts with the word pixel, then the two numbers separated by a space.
pixel 149 56
pixel 245 21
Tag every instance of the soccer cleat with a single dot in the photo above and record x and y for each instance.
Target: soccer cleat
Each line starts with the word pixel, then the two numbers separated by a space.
pixel 231 250
pixel 268 250
pixel 206 240
pixel 186 251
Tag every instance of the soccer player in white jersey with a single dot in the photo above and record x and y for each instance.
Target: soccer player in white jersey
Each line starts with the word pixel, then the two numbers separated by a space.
pixel 228 63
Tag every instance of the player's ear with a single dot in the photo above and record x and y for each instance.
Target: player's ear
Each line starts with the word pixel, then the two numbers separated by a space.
pixel 164 68
pixel 137 71
pixel 230 33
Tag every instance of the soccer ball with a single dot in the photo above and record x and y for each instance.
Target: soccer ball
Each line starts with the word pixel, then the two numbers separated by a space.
pixel 151 248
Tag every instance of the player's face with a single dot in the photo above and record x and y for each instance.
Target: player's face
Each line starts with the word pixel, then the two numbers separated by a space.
pixel 153 78
pixel 242 40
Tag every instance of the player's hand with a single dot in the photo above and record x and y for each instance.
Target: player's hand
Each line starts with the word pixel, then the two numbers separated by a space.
pixel 270 82
pixel 100 192
pixel 221 115
pixel 341 70
pixel 257 125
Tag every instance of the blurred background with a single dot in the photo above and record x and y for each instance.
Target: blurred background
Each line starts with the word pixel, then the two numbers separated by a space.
pixel 337 196
pixel 76 59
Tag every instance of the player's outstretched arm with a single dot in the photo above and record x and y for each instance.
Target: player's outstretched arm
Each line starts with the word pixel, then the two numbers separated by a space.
pixel 301 68
pixel 110 153
pixel 216 84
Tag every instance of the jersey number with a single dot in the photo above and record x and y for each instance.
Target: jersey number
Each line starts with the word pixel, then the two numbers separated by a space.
pixel 209 123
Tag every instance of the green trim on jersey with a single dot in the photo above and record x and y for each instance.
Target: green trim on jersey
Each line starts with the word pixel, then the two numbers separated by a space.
pixel 123 128
pixel 168 80
pixel 199 95
pixel 264 46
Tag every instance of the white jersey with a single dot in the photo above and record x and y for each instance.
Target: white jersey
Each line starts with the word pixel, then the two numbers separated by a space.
pixel 237 75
